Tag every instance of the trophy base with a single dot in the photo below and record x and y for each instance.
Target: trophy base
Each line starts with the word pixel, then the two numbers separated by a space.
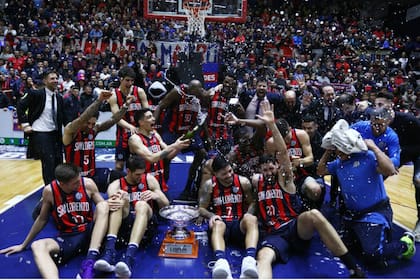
pixel 179 248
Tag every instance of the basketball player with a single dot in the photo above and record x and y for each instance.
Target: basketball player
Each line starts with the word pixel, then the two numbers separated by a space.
pixel 126 126
pixel 79 140
pixel 232 217
pixel 147 143
pixel 130 215
pixel 69 200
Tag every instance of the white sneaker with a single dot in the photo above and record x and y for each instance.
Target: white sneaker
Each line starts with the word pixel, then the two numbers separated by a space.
pixel 249 268
pixel 221 269
pixel 122 270
pixel 417 231
pixel 103 265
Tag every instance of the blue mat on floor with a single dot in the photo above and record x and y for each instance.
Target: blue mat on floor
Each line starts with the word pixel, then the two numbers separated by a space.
pixel 315 263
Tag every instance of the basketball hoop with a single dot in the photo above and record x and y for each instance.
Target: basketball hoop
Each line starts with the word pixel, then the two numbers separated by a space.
pixel 196 11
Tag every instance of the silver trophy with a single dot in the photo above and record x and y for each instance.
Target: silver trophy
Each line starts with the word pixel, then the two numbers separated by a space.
pixel 179 242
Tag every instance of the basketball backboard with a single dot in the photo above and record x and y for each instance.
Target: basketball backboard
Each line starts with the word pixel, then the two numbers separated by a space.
pixel 216 10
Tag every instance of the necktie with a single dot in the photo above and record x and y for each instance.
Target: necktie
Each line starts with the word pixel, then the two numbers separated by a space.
pixel 257 109
pixel 54 111
pixel 330 115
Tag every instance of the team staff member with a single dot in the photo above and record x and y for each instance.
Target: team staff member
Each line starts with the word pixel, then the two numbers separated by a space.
pixel 377 129
pixel 69 200
pixel 127 125
pixel 360 166
pixel 407 128
pixel 79 140
pixel 40 114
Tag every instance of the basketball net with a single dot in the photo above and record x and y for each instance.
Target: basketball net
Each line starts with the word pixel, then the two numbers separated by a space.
pixel 196 14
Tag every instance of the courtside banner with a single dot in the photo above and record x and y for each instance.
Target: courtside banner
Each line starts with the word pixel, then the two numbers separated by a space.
pixel 210 73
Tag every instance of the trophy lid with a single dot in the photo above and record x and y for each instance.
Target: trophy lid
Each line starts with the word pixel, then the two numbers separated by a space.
pixel 179 213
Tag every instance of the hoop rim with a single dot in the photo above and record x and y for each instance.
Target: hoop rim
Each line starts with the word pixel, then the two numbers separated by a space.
pixel 196 9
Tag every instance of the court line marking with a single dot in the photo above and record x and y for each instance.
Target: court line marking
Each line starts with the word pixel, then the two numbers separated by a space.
pixel 18 198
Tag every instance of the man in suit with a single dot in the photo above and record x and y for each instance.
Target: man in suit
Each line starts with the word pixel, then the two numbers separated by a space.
pixel 40 112
pixel 250 103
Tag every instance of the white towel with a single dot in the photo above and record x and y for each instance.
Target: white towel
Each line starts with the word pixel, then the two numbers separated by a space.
pixel 344 138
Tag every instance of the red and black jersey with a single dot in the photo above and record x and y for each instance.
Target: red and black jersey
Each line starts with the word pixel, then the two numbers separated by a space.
pixel 122 133
pixel 276 207
pixel 218 109
pixel 71 212
pixel 81 152
pixel 294 149
pixel 184 116
pixel 134 191
pixel 247 160
pixel 154 168
pixel 228 201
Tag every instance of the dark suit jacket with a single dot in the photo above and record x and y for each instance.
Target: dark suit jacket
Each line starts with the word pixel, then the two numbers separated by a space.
pixel 316 108
pixel 274 99
pixel 30 108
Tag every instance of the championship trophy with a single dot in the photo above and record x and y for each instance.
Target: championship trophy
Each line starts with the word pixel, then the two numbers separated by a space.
pixel 179 242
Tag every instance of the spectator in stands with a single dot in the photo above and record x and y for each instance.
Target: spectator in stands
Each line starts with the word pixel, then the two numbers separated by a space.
pixel 87 97
pixel 250 102
pixel 4 100
pixel 290 109
pixel 79 62
pixel 71 105
pixel 95 33
pixel 324 109
pixel 351 112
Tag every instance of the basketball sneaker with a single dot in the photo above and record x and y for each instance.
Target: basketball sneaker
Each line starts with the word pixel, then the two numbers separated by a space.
pixel 221 269
pixel 124 268
pixel 106 263
pixel 409 238
pixel 86 271
pixel 249 268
